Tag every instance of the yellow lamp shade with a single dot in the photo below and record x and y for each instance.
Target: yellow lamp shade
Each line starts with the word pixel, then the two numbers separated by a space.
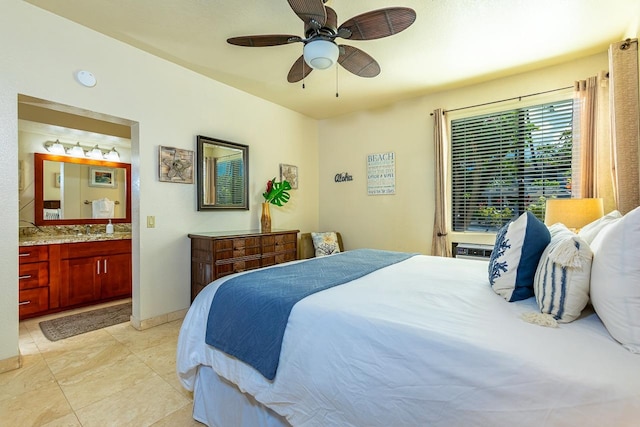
pixel 573 213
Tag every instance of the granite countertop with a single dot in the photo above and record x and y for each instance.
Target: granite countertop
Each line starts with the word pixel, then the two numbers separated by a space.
pixel 70 238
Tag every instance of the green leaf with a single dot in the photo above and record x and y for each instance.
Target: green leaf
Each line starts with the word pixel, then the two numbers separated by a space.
pixel 280 194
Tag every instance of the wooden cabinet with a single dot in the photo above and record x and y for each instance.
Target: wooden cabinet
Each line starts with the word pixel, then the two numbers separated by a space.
pixel 215 255
pixel 33 280
pixel 56 277
pixel 95 271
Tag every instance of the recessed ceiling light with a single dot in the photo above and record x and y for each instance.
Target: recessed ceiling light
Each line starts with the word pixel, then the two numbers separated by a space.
pixel 86 78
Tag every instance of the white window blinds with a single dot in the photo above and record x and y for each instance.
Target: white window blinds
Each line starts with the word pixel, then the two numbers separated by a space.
pixel 508 162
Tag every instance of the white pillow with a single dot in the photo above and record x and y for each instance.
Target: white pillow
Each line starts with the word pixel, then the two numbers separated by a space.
pixel 615 279
pixel 325 243
pixel 515 257
pixel 562 278
pixel 591 230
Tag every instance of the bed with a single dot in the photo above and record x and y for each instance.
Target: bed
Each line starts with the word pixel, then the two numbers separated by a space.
pixel 421 342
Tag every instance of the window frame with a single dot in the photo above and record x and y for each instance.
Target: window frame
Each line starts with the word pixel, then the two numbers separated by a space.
pixel 475 236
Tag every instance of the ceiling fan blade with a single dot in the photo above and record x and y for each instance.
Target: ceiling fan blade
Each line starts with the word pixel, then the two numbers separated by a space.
pixel 264 40
pixel 358 62
pixel 299 70
pixel 309 10
pixel 379 23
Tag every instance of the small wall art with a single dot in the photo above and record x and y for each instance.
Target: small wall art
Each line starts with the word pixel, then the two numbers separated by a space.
pixel 289 173
pixel 102 177
pixel 176 165
pixel 381 173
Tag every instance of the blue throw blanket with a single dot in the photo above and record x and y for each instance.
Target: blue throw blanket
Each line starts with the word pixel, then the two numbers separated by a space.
pixel 249 313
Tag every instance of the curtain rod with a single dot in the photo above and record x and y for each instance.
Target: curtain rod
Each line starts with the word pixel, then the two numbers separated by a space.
pixel 507 99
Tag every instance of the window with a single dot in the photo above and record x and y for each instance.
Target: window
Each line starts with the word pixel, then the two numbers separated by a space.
pixel 509 162
pixel 229 181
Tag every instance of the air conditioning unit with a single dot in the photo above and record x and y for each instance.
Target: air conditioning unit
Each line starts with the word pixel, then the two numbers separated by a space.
pixel 473 251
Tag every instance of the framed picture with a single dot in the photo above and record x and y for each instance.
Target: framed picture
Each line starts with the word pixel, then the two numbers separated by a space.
pixel 20 175
pixel 176 165
pixel 102 177
pixel 289 173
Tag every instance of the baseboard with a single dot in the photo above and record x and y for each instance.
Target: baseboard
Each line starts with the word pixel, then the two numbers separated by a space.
pixel 157 320
pixel 10 364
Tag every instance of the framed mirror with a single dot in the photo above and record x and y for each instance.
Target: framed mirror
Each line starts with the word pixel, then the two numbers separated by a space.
pixel 73 190
pixel 223 174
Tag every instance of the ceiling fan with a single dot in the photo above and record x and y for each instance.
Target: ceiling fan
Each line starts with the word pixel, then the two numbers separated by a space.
pixel 321 30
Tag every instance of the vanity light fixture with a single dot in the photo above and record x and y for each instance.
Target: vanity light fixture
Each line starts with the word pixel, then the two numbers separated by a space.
pixel 55 148
pixel 76 151
pixel 95 153
pixel 112 155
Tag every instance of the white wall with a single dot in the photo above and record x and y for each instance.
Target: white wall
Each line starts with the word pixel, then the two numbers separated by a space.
pixel 404 221
pixel 169 106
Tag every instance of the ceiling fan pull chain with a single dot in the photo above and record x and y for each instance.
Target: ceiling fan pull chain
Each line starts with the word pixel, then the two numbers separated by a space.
pixel 303 74
pixel 337 81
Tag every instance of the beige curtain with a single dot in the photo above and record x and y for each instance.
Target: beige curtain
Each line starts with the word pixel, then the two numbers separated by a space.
pixel 625 128
pixel 584 147
pixel 440 244
pixel 210 181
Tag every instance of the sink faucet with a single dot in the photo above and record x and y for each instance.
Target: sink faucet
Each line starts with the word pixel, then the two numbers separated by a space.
pixel 88 229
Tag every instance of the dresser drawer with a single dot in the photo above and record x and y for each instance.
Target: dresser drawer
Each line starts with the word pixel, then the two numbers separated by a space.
pixel 236 266
pixel 237 247
pixel 33 275
pixel 279 243
pixel 279 257
pixel 33 301
pixel 28 254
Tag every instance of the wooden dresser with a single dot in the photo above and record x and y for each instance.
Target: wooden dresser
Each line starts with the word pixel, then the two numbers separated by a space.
pixel 217 254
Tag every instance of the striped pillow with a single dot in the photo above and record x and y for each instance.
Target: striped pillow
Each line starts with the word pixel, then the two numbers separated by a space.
pixel 561 284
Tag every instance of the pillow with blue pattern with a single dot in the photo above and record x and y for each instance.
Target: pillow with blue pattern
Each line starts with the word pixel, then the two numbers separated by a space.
pixel 515 256
pixel 325 243
pixel 562 279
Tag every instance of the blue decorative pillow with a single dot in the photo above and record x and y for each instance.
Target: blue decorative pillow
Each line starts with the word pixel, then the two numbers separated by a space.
pixel 515 256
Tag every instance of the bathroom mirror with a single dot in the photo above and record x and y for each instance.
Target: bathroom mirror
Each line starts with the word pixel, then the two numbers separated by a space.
pixel 223 174
pixel 73 190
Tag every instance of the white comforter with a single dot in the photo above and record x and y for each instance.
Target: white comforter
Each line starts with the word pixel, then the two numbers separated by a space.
pixel 426 342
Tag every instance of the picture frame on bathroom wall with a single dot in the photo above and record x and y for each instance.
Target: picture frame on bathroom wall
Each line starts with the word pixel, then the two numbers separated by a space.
pixel 102 177
pixel 175 165
pixel 20 175
pixel 290 174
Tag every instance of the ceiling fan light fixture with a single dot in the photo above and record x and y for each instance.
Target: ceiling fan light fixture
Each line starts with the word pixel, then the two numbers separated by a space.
pixel 321 54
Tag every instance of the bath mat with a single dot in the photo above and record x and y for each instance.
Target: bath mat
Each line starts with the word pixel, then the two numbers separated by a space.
pixel 76 324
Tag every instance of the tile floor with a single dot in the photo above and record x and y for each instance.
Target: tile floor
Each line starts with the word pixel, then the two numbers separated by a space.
pixel 116 376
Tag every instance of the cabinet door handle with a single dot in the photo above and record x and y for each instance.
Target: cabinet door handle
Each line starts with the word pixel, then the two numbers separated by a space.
pixel 24 302
pixel 98 262
pixel 105 266
pixel 26 276
pixel 25 254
